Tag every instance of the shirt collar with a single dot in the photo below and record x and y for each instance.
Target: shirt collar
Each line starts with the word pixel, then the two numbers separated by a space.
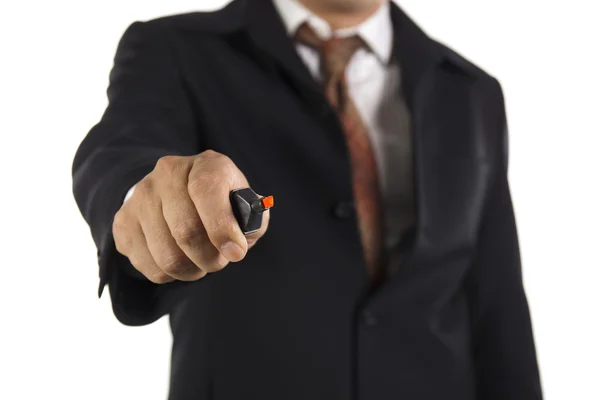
pixel 376 31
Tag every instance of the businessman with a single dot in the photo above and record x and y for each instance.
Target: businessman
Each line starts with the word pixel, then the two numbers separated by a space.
pixel 389 267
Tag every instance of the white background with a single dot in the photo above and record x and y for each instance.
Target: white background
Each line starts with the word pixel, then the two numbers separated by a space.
pixel 57 340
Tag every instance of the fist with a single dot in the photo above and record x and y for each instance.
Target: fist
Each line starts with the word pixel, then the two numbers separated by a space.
pixel 179 224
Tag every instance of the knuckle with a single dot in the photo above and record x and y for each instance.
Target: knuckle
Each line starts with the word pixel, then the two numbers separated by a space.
pixel 213 267
pixel 229 170
pixel 215 263
pixel 224 160
pixel 123 241
pixel 201 275
pixel 211 170
pixel 204 181
pixel 175 265
pixel 153 274
pixel 194 275
pixel 138 263
pixel 186 234
pixel 159 277
pixel 144 187
pixel 216 160
pixel 167 164
pixel 210 154
pixel 119 221
pixel 122 244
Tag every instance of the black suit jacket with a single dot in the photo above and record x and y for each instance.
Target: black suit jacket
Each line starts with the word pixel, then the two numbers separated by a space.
pixel 294 319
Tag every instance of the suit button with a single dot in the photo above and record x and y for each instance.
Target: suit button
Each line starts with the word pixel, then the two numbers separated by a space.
pixel 343 209
pixel 369 319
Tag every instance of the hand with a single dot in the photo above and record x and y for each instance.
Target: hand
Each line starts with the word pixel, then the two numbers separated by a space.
pixel 178 224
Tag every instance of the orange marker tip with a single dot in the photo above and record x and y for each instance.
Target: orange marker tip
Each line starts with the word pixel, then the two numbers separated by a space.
pixel 268 202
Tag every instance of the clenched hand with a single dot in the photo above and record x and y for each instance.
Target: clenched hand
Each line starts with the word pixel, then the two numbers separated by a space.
pixel 178 224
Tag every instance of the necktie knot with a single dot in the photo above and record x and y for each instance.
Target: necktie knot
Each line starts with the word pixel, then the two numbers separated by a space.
pixel 335 53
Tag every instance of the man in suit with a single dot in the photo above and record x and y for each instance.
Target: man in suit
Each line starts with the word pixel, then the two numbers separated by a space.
pixel 390 266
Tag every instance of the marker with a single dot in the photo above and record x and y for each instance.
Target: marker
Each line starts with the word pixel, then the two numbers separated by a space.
pixel 248 208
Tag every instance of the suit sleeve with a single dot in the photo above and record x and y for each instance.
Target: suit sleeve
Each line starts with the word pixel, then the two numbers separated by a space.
pixel 148 116
pixel 504 349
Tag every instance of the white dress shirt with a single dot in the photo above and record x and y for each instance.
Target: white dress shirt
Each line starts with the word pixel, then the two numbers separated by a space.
pixel 374 84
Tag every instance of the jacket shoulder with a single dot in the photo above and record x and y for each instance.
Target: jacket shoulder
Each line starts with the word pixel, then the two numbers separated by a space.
pixel 461 62
pixel 489 84
pixel 490 104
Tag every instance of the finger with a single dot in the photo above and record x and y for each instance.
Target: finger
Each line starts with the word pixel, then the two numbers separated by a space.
pixel 211 179
pixel 162 246
pixel 142 260
pixel 186 227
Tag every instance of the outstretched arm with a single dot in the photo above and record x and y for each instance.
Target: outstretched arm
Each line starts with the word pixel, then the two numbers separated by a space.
pixel 148 117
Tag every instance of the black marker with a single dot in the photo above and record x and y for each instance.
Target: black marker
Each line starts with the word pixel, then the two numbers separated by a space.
pixel 248 208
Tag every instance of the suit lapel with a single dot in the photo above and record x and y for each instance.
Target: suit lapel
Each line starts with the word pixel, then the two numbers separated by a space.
pixel 268 33
pixel 447 169
pixel 446 181
pixel 417 53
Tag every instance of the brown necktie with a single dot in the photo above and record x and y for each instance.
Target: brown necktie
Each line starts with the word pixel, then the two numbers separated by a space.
pixel 335 55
